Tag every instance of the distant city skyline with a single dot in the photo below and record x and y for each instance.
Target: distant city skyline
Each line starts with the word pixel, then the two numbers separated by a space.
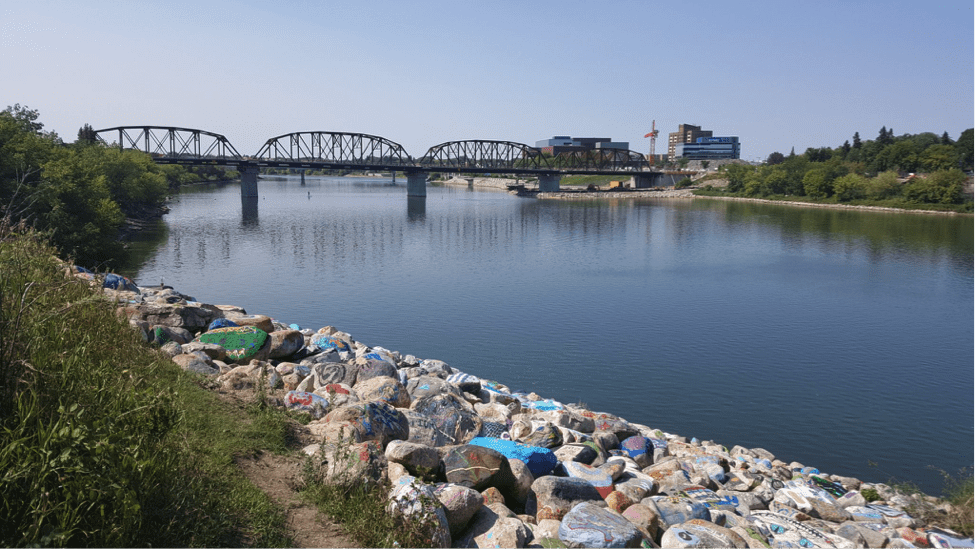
pixel 778 76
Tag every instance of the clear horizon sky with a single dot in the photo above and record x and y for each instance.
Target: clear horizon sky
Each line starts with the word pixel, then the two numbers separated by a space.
pixel 776 74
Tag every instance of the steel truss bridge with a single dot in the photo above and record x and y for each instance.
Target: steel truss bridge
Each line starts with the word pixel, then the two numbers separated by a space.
pixel 363 152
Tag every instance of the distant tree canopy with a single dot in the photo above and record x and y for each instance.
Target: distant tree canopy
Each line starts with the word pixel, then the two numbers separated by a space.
pixel 79 194
pixel 874 170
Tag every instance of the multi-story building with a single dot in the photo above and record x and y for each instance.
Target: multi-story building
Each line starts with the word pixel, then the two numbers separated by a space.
pixel 685 133
pixel 709 148
pixel 564 143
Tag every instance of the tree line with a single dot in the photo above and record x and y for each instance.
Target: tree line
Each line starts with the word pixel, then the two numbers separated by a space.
pixel 80 194
pixel 899 171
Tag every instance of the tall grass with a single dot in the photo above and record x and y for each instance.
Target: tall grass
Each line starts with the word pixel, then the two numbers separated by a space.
pixel 97 440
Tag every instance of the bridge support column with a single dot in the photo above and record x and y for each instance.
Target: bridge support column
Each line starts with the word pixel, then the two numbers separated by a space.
pixel 302 178
pixel 642 181
pixel 416 184
pixel 549 183
pixel 470 182
pixel 248 181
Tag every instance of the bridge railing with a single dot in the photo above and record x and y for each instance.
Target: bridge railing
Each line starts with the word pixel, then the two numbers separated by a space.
pixel 338 148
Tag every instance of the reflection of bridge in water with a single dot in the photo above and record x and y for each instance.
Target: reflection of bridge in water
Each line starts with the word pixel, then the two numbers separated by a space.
pixel 362 152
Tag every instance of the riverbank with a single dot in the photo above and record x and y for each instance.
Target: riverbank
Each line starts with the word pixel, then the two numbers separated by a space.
pixel 665 192
pixel 551 469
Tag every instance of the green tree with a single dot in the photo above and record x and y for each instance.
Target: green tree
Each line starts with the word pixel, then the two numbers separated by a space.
pixel 849 187
pixel 883 186
pixel 86 135
pixel 856 140
pixel 942 187
pixel 938 157
pixel 817 183
pixel 946 139
pixel 775 158
pixel 736 175
pixel 964 148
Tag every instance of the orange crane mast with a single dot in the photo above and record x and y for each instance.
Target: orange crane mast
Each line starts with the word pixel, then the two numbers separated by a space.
pixel 653 139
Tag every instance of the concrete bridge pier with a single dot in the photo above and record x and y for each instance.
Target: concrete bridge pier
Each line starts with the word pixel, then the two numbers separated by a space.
pixel 470 182
pixel 302 178
pixel 642 181
pixel 416 184
pixel 248 181
pixel 549 183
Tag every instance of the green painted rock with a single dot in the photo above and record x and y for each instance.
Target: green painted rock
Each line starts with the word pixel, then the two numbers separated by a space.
pixel 243 343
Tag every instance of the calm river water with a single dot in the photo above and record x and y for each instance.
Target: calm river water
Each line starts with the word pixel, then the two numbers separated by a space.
pixel 839 339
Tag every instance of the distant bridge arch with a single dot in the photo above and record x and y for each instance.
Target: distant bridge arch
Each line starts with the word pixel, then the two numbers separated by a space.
pixel 339 150
pixel 482 155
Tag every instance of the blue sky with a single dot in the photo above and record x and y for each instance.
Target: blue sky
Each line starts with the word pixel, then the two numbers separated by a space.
pixel 776 74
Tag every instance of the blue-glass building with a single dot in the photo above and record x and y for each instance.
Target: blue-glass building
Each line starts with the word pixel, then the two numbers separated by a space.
pixel 709 148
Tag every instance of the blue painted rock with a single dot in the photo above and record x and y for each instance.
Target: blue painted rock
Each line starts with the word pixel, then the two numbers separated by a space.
pixel 552 497
pixel 325 341
pixel 639 448
pixel 243 343
pixel 542 405
pixel 675 510
pixel 893 517
pixel 386 389
pixel 460 503
pixel 417 504
pixel 540 461
pixel 306 402
pixel 600 479
pixel 465 382
pixel 285 343
pixel 700 533
pixel 939 538
pixel 544 435
pixel 453 418
pixel 370 368
pixel 437 368
pixel 587 525
pixel 378 353
pixel 862 513
pixel 221 323
pixel 363 422
pixel 119 283
pixel 713 501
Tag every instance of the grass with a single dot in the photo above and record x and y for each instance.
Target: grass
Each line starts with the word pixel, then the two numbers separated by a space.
pixel 104 442
pixel 898 203
pixel 586 180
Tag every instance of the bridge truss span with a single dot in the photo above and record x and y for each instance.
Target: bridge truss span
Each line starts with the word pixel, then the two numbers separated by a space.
pixel 481 155
pixel 167 144
pixel 334 149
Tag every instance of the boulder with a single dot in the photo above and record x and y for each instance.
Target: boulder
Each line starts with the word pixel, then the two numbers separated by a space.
pixel 161 335
pixel 489 528
pixel 243 343
pixel 544 435
pixel 193 363
pixel 215 352
pixel 261 322
pixel 675 510
pixel 353 464
pixel 453 418
pixel 459 503
pixel 600 479
pixel 639 449
pixel 552 497
pixel 479 468
pixel 421 461
pixel 587 525
pixel 333 372
pixel 700 533
pixel 363 422
pixel 417 504
pixel 426 385
pixel 582 453
pixel 370 368
pixel 386 389
pixel 285 343
pixel 643 517
pixel 306 402
pixel 540 461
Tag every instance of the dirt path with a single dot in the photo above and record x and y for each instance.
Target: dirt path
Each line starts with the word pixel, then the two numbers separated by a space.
pixel 275 475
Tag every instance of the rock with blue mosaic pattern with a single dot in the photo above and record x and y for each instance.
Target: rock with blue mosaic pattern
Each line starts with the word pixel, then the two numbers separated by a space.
pixel 540 461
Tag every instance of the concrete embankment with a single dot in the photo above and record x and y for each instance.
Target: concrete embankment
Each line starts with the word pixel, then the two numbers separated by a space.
pixel 475 463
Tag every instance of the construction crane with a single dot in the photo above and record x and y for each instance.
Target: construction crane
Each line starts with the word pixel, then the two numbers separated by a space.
pixel 653 139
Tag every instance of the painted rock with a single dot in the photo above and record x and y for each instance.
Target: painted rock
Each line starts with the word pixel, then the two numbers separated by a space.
pixel 465 382
pixel 243 343
pixel 552 497
pixel 587 525
pixel 812 500
pixel 337 394
pixel 571 420
pixel 620 428
pixel 378 353
pixel 474 466
pixel 161 335
pixel 618 501
pixel 583 453
pixel 426 385
pixel 893 517
pixel 636 485
pixel 540 461
pixel 700 533
pixel 492 495
pixel 363 422
pixel 713 501
pixel 386 389
pixel 784 530
pixel 639 448
pixel 325 341
pixel 370 368
pixel 436 368
pixel 601 480
pixel 643 517
pixel 417 503
pixel 353 464
pixel 675 510
pixel 306 402
pixel 543 405
pixel 489 528
pixel 940 538
pixel 460 503
pixel 544 435
pixel 331 372
pixel 454 419
pixel 119 283
pixel 221 323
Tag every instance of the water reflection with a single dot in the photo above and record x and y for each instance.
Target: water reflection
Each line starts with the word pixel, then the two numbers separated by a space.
pixel 416 208
pixel 248 212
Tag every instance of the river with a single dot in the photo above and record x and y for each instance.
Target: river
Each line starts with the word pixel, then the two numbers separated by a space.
pixel 840 339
